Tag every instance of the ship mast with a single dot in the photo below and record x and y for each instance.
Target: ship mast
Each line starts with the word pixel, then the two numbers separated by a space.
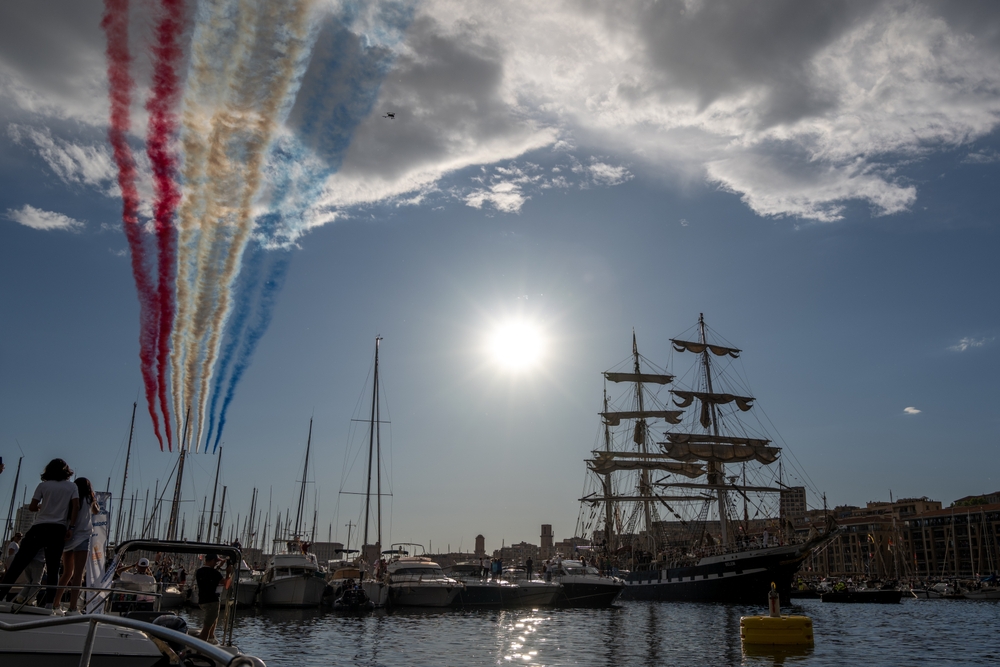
pixel 645 488
pixel 716 469
pixel 608 509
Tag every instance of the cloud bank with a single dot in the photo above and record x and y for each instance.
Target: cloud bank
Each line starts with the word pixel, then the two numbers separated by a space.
pixel 799 109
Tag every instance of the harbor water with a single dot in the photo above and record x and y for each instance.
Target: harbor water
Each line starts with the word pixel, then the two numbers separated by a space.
pixel 914 632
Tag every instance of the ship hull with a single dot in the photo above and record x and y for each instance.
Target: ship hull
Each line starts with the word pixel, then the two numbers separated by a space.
pixel 741 578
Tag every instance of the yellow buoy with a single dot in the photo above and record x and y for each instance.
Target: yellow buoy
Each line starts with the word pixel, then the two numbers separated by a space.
pixel 783 630
pixel 776 629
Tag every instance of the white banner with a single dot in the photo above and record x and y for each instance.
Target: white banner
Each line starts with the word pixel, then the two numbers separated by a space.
pixel 96 575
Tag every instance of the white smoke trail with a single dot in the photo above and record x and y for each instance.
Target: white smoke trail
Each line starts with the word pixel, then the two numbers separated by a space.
pixel 264 83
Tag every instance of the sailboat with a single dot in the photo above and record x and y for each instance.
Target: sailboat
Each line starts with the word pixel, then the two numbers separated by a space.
pixel 293 578
pixel 690 557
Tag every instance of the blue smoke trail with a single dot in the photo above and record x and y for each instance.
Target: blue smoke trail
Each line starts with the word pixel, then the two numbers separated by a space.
pixel 269 291
pixel 341 87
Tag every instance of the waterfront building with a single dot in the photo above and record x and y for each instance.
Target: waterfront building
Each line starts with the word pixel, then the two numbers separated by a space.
pixel 480 546
pixel 517 554
pixel 960 541
pixel 792 503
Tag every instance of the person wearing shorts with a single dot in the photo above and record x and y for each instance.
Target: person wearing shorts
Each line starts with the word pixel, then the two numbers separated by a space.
pixel 77 550
pixel 208 578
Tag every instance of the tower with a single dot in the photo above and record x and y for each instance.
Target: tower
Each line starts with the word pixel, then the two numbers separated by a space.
pixel 480 546
pixel 546 548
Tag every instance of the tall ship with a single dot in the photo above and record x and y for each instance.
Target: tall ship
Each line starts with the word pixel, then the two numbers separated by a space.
pixel 684 489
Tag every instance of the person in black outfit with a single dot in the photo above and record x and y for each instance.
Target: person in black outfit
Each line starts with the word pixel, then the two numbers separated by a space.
pixel 209 578
pixel 528 564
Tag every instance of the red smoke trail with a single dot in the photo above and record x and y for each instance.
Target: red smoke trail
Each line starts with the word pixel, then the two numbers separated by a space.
pixel 115 25
pixel 162 126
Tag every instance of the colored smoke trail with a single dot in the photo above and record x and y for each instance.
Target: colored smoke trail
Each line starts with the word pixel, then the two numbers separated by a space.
pixel 218 38
pixel 258 94
pixel 162 126
pixel 115 25
pixel 353 68
pixel 246 338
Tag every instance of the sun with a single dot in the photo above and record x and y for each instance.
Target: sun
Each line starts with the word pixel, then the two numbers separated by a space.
pixel 517 345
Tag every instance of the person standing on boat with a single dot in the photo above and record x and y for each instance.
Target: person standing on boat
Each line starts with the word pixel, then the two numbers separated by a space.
pixel 11 549
pixel 209 578
pixel 57 501
pixel 528 564
pixel 77 550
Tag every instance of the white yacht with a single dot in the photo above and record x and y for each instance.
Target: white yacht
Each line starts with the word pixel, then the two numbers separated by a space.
pixel 292 580
pixel 249 585
pixel 415 581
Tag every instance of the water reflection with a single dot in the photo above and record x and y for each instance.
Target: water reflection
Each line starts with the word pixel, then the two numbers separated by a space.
pixel 636 633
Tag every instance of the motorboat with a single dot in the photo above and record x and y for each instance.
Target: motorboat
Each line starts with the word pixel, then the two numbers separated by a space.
pixel 171 596
pixel 583 585
pixel 532 592
pixel 292 580
pixel 481 591
pixel 416 581
pixel 353 598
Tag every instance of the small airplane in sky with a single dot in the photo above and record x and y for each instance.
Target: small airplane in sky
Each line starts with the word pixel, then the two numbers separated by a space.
pixel 391 115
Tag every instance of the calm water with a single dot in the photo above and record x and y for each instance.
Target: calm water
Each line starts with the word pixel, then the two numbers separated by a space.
pixel 916 632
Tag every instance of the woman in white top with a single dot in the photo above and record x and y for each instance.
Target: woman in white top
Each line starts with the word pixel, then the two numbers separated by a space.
pixel 77 550
pixel 57 501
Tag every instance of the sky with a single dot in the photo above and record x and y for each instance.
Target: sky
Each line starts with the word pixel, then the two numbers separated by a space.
pixel 813 177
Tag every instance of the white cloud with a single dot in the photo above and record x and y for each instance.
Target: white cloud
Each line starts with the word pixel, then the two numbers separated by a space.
pixel 968 343
pixel 985 156
pixel 36 218
pixel 72 163
pixel 911 411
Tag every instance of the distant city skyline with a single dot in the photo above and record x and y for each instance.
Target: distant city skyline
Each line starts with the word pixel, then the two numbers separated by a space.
pixel 815 178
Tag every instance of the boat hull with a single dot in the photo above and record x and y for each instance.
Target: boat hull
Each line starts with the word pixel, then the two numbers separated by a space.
pixel 741 578
pixel 537 594
pixel 246 593
pixel 297 591
pixel 377 592
pixel 588 591
pixel 417 595
pixel 481 594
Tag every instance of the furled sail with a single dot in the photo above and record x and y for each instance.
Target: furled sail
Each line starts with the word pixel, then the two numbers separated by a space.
pixel 715 439
pixel 615 418
pixel 698 348
pixel 605 463
pixel 720 453
pixel 708 400
pixel 653 378
pixel 744 402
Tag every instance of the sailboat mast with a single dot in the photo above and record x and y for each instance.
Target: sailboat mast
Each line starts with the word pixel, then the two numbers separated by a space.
pixel 128 455
pixel 717 471
pixel 176 504
pixel 13 499
pixel 371 448
pixel 645 488
pixel 302 489
pixel 215 487
pixel 378 451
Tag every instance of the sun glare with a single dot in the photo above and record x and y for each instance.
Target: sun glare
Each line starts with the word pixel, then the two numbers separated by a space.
pixel 516 345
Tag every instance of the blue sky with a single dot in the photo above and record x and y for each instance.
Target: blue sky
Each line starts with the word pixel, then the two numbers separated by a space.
pixel 818 185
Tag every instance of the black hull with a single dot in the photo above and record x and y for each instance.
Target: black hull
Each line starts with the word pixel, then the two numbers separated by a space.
pixel 487 596
pixel 579 594
pixel 744 578
pixel 877 597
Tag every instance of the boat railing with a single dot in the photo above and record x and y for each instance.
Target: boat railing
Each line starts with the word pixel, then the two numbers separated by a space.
pixel 216 654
